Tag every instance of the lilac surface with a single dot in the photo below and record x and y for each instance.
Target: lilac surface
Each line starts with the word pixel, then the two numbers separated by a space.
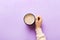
pixel 12 26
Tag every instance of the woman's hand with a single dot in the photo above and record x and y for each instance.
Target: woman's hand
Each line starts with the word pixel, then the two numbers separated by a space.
pixel 38 22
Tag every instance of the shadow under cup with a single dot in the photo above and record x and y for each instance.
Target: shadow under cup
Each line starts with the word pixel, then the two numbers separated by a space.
pixel 29 19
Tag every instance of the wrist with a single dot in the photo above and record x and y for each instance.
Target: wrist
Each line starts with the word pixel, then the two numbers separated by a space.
pixel 38 27
pixel 39 31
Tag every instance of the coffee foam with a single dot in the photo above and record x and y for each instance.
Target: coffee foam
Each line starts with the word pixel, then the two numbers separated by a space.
pixel 29 19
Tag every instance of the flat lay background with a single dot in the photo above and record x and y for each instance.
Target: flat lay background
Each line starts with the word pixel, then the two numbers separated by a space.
pixel 12 26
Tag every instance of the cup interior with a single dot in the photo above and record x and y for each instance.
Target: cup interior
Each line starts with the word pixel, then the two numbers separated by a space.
pixel 29 19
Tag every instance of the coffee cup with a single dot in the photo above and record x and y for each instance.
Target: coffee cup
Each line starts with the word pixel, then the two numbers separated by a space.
pixel 29 19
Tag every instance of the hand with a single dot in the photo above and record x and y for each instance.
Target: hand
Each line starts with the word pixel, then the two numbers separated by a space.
pixel 38 22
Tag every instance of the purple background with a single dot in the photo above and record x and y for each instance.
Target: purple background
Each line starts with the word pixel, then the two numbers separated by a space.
pixel 12 26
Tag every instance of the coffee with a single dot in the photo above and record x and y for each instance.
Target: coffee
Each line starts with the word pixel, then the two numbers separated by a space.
pixel 29 19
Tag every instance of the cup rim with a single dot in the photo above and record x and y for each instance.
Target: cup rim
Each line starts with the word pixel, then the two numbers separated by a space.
pixel 26 15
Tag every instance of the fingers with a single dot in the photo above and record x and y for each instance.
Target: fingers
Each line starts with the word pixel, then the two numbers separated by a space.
pixel 38 18
pixel 38 21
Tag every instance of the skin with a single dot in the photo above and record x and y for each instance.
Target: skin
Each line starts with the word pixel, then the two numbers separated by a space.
pixel 39 33
pixel 38 22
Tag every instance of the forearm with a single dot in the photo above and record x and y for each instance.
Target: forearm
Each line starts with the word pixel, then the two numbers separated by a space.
pixel 39 34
